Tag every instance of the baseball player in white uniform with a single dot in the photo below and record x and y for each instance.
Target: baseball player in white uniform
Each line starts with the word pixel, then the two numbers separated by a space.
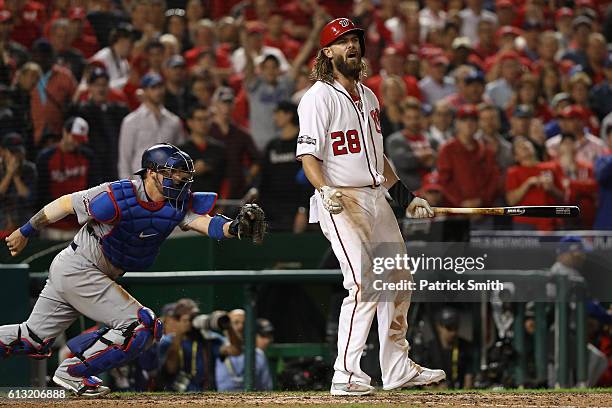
pixel 340 145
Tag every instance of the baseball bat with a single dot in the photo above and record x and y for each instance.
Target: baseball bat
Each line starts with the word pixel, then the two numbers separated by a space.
pixel 545 211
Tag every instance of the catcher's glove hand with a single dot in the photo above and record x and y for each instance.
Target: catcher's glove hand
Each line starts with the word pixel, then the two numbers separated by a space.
pixel 250 223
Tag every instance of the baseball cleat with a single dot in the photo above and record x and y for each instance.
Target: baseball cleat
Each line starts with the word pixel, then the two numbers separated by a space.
pixel 83 387
pixel 425 376
pixel 353 389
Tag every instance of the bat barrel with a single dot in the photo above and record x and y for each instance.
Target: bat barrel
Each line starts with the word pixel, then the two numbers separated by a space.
pixel 544 211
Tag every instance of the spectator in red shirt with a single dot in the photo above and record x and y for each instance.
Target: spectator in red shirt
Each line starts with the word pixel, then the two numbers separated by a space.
pixel 52 94
pixel 579 181
pixel 29 19
pixel 532 182
pixel 470 87
pixel 83 35
pixel 392 63
pixel 275 37
pixel 468 170
pixel 64 168
pixel 486 46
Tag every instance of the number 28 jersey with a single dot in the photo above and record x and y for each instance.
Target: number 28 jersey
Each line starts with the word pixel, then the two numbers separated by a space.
pixel 344 134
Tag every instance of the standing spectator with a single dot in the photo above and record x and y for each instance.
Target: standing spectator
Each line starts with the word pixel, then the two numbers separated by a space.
pixel 486 46
pixel 276 37
pixel 266 88
pixel 17 183
pixel 579 183
pixel 105 116
pixel 176 95
pixel 52 93
pixel 114 57
pixel 393 92
pixel 409 150
pixel 265 91
pixel 392 63
pixel 149 124
pixel 207 153
pixel 467 168
pixel 242 157
pixel 431 18
pixel 501 90
pixel 64 169
pixel 471 15
pixel 26 79
pixel 12 52
pixel 65 55
pixel 489 125
pixel 596 52
pixel 600 97
pixel 581 29
pixel 436 85
pixel 588 146
pixel 176 24
pixel 29 18
pixel 441 129
pixel 83 38
pixel 531 182
pixel 284 199
pixel 558 103
pixel 253 47
pixel 470 85
pixel 579 86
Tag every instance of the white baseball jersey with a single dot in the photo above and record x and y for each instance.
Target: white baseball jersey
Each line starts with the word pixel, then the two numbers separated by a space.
pixel 345 135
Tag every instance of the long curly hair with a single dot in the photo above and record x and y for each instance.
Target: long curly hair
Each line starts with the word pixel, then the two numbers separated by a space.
pixel 323 69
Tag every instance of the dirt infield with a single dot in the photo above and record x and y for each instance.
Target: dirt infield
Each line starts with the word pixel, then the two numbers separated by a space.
pixel 557 399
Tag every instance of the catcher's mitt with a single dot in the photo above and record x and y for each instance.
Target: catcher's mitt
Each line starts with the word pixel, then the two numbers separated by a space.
pixel 250 223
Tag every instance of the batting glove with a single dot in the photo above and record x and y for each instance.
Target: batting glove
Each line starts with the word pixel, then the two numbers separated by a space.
pixel 331 199
pixel 419 208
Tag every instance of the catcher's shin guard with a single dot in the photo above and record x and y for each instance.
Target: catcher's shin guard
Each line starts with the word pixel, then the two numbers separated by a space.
pixel 28 344
pixel 108 348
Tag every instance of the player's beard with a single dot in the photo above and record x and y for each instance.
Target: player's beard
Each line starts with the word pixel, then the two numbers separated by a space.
pixel 350 69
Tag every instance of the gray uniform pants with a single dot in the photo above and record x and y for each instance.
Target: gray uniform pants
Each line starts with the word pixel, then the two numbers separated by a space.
pixel 75 286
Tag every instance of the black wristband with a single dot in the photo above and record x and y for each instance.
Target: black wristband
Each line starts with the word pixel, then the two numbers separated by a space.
pixel 400 194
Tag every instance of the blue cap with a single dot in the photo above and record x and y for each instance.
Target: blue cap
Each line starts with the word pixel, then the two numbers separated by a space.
pixel 474 76
pixel 572 243
pixel 150 80
pixel 598 312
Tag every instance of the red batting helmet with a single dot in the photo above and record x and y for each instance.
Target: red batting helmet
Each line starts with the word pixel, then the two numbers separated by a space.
pixel 337 28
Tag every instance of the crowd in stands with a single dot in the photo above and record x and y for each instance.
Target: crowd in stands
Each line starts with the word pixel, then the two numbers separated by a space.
pixel 482 102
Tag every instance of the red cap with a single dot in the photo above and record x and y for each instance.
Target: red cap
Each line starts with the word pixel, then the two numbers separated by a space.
pixel 467 111
pixel 440 60
pixel 564 12
pixel 77 13
pixel 5 15
pixel 585 3
pixel 393 50
pixel 503 4
pixel 255 27
pixel 508 30
pixel 573 112
pixel 508 55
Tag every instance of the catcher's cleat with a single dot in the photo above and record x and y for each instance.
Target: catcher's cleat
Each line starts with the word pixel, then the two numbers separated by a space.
pixel 425 376
pixel 83 387
pixel 353 389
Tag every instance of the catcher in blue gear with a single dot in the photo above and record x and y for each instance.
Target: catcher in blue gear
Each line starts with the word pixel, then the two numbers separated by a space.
pixel 123 226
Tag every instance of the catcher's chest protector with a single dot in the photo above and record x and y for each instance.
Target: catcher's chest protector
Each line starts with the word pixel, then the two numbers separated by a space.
pixel 134 241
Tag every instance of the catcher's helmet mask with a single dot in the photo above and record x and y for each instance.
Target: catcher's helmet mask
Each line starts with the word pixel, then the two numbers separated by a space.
pixel 176 168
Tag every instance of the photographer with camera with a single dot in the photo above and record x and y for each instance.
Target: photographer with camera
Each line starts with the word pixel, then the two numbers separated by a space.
pixel 229 371
pixel 191 345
